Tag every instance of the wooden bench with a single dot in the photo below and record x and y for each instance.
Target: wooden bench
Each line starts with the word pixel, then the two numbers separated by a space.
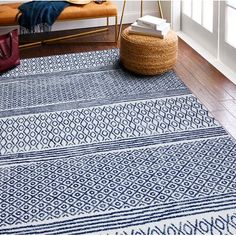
pixel 9 15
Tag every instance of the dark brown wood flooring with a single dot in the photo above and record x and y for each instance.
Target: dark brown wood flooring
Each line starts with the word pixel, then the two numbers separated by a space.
pixel 214 90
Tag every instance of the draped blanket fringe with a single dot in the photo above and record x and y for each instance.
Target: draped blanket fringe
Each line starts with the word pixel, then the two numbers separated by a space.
pixel 39 16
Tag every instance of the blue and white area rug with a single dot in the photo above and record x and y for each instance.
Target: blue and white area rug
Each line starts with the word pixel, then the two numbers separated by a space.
pixel 87 147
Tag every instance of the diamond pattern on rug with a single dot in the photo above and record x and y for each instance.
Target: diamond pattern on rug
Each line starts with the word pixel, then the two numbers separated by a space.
pixel 104 123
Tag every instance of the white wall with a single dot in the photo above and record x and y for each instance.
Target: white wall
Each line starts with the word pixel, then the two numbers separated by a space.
pixel 132 12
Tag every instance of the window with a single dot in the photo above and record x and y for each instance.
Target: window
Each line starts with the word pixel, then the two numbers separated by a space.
pixel 201 11
pixel 230 21
pixel 212 24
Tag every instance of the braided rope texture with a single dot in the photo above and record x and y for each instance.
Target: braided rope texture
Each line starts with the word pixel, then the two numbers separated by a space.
pixel 148 55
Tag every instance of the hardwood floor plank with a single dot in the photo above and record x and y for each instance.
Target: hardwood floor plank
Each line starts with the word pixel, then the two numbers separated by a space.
pixel 215 77
pixel 227 120
pixel 214 87
pixel 197 88
pixel 231 107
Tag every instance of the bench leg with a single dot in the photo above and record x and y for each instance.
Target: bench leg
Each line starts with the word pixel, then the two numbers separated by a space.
pixel 141 8
pixel 116 28
pixel 160 8
pixel 121 19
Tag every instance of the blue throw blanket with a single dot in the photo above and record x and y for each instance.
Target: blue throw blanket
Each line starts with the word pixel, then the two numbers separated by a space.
pixel 39 16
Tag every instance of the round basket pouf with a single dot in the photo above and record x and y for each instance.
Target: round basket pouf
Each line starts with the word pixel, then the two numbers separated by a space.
pixel 148 55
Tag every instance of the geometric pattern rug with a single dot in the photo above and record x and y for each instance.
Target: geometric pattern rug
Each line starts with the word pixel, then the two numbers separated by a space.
pixel 87 147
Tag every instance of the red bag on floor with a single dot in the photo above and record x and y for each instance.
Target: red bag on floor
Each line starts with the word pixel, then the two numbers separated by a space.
pixel 9 51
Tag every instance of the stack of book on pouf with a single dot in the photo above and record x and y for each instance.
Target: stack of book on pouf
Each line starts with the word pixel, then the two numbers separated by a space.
pixel 150 26
pixel 144 54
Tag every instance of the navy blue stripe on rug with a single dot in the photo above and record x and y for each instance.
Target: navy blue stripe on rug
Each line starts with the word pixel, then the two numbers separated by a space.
pixel 116 145
pixel 130 217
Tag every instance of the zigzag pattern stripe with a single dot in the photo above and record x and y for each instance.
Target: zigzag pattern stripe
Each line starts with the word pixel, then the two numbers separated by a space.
pixel 221 223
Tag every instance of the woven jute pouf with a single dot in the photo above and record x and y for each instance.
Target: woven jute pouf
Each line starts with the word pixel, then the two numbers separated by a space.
pixel 148 55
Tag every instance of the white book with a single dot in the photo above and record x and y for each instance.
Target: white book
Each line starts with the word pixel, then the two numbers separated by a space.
pixel 150 21
pixel 162 29
pixel 132 31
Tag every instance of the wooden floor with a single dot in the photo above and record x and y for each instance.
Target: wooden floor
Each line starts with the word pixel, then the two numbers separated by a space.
pixel 214 90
